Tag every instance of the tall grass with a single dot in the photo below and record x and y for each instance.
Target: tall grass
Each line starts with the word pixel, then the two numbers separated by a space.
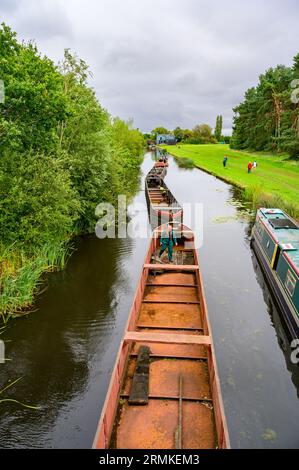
pixel 20 275
pixel 259 198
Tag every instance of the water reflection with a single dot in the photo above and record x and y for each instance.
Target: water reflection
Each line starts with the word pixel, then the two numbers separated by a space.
pixel 278 323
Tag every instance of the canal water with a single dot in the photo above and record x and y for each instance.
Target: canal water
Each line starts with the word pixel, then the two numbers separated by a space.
pixel 65 350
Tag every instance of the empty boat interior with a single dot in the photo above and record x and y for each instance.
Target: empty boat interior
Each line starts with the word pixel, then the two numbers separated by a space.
pixel 177 407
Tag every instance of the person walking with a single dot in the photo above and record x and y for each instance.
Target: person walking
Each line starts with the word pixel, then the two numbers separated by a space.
pixel 254 164
pixel 225 161
pixel 167 241
pixel 249 166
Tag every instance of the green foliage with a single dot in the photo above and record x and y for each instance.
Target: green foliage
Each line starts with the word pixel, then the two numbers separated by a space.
pixel 159 130
pixel 182 135
pixel 124 166
pixel 179 134
pixel 268 118
pixel 61 154
pixel 202 134
pixel 218 128
pixel 225 138
pixel 37 201
pixel 34 100
pixel 187 134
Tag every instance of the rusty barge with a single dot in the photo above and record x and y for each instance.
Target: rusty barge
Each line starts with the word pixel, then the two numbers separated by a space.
pixel 164 391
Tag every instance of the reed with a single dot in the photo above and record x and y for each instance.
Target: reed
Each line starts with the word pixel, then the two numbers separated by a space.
pixel 20 275
pixel 13 400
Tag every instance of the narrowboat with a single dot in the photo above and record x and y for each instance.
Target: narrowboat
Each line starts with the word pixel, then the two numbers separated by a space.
pixel 162 205
pixel 278 322
pixel 160 164
pixel 164 391
pixel 275 240
pixel 157 173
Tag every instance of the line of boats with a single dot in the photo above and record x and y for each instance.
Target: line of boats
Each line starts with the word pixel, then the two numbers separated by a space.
pixel 162 205
pixel 164 391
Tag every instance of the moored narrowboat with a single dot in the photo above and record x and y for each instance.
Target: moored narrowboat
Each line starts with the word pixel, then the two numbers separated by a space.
pixel 278 322
pixel 275 240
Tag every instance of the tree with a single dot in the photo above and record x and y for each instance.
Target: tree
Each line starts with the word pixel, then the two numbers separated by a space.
pixel 179 134
pixel 218 128
pixel 61 155
pixel 34 100
pixel 225 139
pixel 187 133
pixel 267 119
pixel 202 133
pixel 159 130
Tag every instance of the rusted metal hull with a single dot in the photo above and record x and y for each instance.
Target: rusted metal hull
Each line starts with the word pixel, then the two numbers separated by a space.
pixel 169 315
pixel 162 205
pixel 161 164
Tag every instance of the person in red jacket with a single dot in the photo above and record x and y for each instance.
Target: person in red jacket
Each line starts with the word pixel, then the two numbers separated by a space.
pixel 249 166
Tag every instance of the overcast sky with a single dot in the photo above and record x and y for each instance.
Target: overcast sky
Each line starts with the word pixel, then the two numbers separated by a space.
pixel 164 62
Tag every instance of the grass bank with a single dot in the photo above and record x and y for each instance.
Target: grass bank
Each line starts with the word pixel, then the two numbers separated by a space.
pixel 275 181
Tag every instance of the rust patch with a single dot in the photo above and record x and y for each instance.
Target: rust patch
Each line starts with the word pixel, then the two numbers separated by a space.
pixel 170 315
pixel 187 350
pixel 171 293
pixel 164 378
pixel 154 426
pixel 173 278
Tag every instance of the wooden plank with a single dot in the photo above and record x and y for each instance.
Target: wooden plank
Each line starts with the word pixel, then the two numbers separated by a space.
pixel 196 302
pixel 165 327
pixel 172 338
pixel 170 285
pixel 140 383
pixel 172 267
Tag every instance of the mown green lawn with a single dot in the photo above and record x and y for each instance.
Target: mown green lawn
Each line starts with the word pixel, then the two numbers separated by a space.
pixel 275 177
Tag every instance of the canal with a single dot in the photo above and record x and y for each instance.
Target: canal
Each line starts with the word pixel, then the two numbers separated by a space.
pixel 65 350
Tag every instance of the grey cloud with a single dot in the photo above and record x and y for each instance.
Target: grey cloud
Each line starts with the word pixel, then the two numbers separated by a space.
pixel 7 5
pixel 169 62
pixel 47 20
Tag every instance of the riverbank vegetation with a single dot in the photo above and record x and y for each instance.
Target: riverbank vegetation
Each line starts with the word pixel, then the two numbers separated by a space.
pixel 273 183
pixel 61 154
